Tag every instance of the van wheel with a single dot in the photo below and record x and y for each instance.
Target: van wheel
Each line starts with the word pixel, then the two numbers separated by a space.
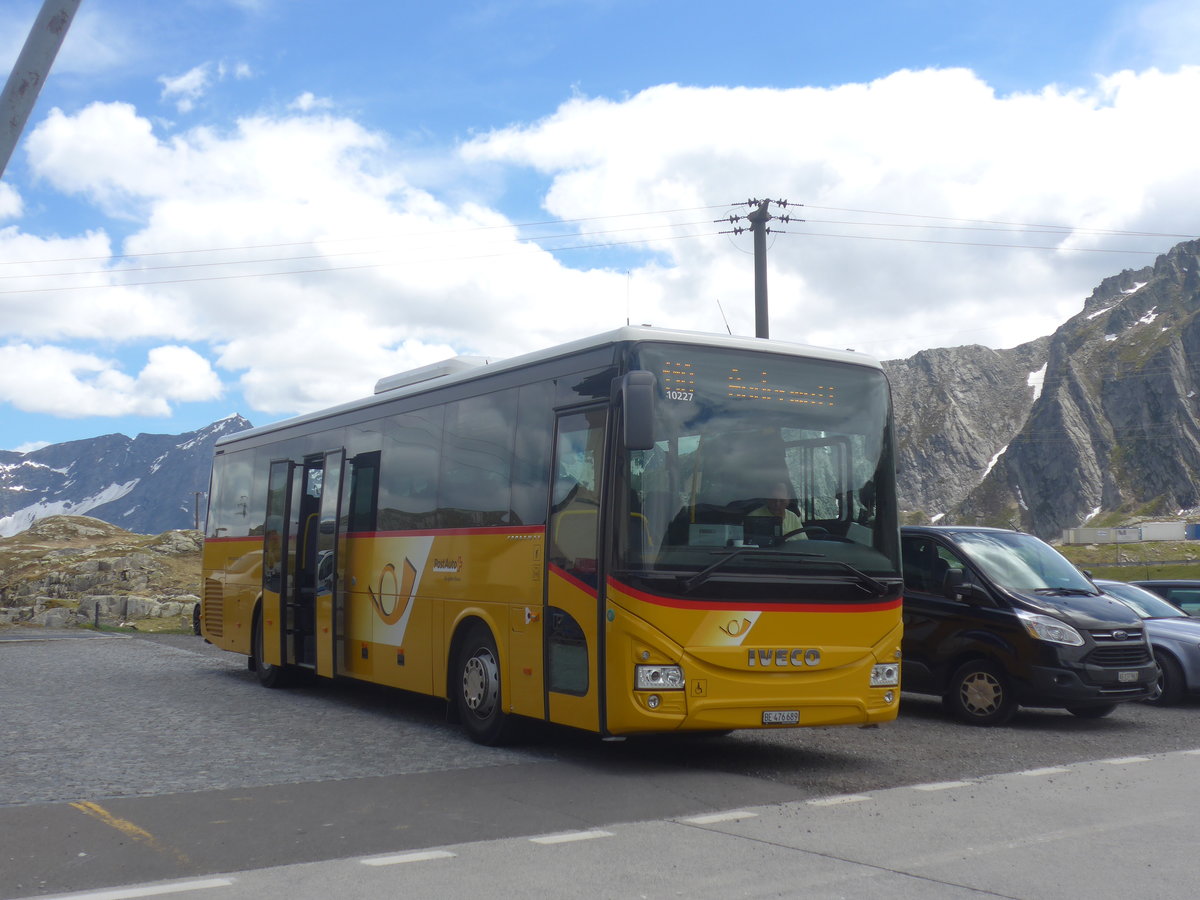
pixel 477 688
pixel 1095 711
pixel 979 694
pixel 1169 689
pixel 268 675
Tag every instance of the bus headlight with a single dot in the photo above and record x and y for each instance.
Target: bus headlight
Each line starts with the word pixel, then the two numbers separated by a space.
pixel 885 675
pixel 658 678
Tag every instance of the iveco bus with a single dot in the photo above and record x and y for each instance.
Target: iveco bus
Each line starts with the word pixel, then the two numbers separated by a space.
pixel 644 531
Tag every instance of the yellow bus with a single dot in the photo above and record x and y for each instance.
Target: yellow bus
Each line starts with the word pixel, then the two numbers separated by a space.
pixel 643 531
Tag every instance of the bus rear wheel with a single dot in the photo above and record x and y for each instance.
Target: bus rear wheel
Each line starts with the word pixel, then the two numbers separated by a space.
pixel 477 688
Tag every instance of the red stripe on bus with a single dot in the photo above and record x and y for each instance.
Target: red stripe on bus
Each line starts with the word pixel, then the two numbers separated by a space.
pixel 432 532
pixel 437 532
pixel 880 606
pixel 572 580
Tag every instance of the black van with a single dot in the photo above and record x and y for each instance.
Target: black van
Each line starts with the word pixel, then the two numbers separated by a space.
pixel 996 619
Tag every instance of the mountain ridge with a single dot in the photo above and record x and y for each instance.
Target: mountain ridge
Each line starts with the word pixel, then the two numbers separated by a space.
pixel 147 484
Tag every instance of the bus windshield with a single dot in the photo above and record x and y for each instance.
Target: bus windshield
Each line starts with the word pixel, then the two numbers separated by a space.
pixel 765 468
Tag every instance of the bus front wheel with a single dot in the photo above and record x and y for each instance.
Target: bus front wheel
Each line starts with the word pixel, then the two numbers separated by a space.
pixel 477 688
pixel 269 675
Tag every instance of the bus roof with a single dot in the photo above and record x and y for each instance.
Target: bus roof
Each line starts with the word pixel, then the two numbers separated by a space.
pixel 465 368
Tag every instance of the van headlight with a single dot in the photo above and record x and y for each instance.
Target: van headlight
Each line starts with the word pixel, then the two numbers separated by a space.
pixel 658 678
pixel 1048 628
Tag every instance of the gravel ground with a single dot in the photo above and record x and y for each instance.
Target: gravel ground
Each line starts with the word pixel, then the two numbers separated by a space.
pixel 93 716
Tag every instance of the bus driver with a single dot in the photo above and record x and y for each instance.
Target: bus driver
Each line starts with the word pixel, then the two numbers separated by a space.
pixel 777 505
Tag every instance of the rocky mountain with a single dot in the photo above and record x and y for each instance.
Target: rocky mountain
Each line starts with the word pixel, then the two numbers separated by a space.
pixel 1112 433
pixel 956 409
pixel 148 484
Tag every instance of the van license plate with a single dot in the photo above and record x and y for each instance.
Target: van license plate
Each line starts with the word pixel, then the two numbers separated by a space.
pixel 781 717
pixel 1127 676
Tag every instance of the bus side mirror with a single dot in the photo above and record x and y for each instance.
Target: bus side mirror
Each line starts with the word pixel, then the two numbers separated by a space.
pixel 638 388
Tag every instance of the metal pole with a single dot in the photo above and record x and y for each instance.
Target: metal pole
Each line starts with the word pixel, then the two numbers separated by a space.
pixel 758 226
pixel 30 71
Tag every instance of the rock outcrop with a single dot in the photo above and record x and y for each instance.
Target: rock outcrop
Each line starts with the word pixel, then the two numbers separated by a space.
pixel 956 410
pixel 71 570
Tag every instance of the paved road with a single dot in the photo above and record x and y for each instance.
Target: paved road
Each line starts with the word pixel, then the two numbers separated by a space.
pixel 158 757
pixel 1105 830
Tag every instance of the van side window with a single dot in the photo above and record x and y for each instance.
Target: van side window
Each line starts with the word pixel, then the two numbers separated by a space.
pixel 926 563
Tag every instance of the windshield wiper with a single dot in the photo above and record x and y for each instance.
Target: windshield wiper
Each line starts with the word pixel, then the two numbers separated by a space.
pixel 873 585
pixel 1066 592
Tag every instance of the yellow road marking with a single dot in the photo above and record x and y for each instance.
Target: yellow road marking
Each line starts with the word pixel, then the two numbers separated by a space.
pixel 96 811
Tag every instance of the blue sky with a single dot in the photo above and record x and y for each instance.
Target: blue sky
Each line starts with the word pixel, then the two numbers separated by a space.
pixel 262 206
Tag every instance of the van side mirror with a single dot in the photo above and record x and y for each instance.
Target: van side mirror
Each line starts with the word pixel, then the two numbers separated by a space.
pixel 638 388
pixel 952 582
pixel 956 587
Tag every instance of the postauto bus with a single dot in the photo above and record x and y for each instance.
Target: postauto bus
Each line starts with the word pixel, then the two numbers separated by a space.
pixel 643 531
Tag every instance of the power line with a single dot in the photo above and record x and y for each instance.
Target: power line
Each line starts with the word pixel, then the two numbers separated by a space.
pixel 1074 228
pixel 242 262
pixel 326 269
pixel 978 226
pixel 870 237
pixel 375 237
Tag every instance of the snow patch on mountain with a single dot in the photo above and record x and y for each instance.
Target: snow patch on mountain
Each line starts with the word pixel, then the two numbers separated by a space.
pixel 23 518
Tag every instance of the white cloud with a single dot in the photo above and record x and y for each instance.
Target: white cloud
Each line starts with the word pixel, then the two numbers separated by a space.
pixel 384 275
pixel 187 88
pixel 179 373
pixel 10 202
pixel 70 384
pixel 934 142
pixel 308 101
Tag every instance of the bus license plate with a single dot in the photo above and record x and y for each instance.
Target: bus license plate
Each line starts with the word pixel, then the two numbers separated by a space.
pixel 781 717
pixel 1127 676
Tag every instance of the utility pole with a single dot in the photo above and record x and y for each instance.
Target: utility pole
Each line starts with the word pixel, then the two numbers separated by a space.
pixel 758 227
pixel 758 219
pixel 30 71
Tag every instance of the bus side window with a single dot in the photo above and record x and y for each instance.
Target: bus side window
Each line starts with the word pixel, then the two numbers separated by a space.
pixel 230 512
pixel 531 455
pixel 408 482
pixel 363 512
pixel 476 473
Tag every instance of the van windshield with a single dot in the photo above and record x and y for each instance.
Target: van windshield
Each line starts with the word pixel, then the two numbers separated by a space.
pixel 1021 562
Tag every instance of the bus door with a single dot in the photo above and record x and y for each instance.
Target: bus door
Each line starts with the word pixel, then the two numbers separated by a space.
pixel 277 574
pixel 300 562
pixel 330 596
pixel 574 590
